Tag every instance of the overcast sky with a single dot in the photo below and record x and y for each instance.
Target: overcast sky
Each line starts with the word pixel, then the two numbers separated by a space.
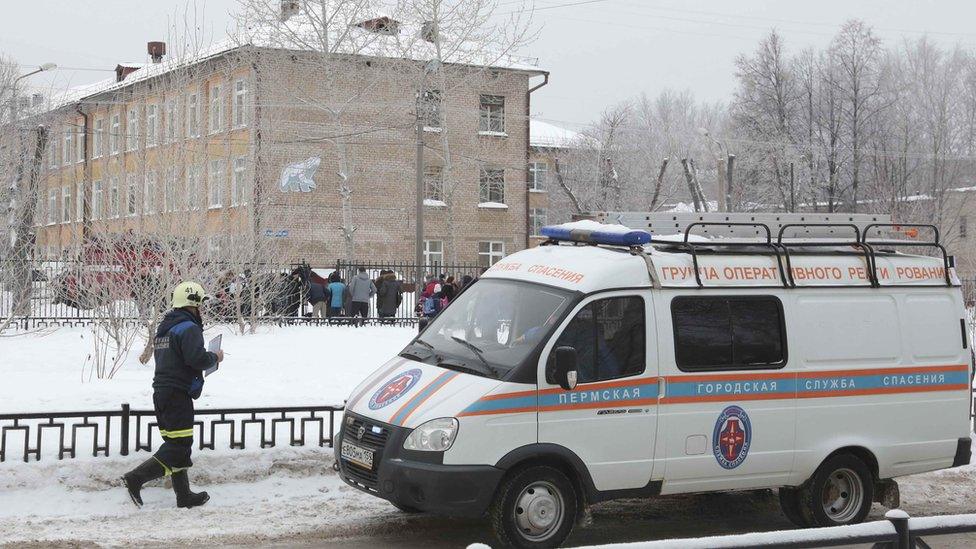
pixel 598 52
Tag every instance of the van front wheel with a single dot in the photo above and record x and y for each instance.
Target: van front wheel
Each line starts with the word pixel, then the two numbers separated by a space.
pixel 839 493
pixel 534 508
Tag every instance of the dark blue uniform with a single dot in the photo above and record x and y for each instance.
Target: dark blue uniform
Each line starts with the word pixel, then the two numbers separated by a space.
pixel 180 358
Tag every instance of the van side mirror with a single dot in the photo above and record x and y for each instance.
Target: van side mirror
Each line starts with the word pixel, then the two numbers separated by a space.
pixel 564 370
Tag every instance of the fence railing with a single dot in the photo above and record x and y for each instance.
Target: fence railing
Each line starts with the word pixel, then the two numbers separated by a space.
pixel 126 430
pixel 897 531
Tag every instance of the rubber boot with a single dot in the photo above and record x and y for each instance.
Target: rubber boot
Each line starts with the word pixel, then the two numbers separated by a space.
pixel 136 478
pixel 184 497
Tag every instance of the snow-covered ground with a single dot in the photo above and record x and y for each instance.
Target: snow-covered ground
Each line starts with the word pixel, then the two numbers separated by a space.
pixel 277 366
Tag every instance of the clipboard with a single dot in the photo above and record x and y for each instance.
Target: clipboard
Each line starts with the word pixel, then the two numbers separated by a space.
pixel 213 346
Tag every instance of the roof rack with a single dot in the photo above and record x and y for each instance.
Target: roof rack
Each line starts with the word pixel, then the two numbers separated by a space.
pixel 869 258
pixel 912 231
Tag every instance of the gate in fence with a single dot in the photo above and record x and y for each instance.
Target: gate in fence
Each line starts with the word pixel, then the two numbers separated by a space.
pixel 69 433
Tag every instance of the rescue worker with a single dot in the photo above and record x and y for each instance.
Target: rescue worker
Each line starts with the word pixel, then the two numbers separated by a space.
pixel 180 358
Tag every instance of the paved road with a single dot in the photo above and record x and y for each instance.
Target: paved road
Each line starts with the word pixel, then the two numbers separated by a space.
pixel 613 522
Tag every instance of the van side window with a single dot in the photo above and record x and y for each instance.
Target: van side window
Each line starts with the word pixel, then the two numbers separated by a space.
pixel 608 335
pixel 728 333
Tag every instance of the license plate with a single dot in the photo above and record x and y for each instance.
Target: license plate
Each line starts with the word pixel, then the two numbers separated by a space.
pixel 358 455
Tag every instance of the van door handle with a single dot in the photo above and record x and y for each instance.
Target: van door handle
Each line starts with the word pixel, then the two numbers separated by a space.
pixel 662 387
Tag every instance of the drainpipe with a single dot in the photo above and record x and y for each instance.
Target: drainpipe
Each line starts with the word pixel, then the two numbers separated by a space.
pixel 528 149
pixel 85 178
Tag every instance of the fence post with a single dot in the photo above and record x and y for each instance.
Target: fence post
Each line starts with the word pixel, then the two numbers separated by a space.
pixel 124 433
pixel 899 519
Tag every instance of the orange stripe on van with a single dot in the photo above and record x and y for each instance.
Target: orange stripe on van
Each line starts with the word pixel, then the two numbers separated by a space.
pixel 883 391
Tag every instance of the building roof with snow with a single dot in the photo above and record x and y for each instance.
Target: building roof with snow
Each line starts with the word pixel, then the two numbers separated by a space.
pixel 544 135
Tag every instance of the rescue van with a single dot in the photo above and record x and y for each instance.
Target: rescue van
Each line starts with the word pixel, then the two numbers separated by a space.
pixel 809 356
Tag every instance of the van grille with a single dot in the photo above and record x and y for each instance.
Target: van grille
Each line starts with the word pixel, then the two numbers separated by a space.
pixel 374 437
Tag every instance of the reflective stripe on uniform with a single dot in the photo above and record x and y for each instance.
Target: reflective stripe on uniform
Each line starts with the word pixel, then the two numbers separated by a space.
pixel 181 433
pixel 167 470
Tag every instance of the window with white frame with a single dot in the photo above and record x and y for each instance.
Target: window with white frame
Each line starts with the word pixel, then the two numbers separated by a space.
pixel 113 196
pixel 52 206
pixel 149 193
pixel 131 196
pixel 492 118
pixel 80 201
pixel 152 129
pixel 80 141
pixel 240 103
pixel 68 150
pixel 537 220
pixel 193 187
pixel 216 177
pixel 216 108
pixel 52 153
pixel 97 204
pixel 193 115
pixel 430 108
pixel 433 252
pixel 434 183
pixel 489 252
pixel 115 133
pixel 538 174
pixel 172 120
pixel 132 130
pixel 169 190
pixel 66 204
pixel 238 186
pixel 491 186
pixel 99 138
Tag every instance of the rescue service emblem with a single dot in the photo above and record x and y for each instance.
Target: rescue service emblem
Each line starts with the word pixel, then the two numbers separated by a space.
pixel 731 437
pixel 392 390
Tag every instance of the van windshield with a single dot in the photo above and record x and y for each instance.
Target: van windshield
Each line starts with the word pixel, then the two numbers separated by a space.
pixel 492 326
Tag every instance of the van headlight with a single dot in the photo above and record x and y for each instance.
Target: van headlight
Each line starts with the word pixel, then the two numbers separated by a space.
pixel 437 435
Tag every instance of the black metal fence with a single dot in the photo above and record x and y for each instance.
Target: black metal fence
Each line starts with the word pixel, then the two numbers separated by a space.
pixel 125 430
pixel 280 301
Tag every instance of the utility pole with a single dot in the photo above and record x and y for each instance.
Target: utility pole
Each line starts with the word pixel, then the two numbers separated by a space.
pixel 728 181
pixel 419 249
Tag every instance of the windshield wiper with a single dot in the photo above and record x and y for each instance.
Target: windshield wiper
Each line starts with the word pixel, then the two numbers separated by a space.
pixel 478 352
pixel 433 352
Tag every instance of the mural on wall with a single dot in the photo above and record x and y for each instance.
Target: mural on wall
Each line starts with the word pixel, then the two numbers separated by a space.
pixel 297 177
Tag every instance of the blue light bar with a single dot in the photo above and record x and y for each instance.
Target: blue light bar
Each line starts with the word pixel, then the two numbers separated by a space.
pixel 609 238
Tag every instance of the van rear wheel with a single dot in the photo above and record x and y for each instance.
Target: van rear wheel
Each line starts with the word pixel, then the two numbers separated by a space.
pixel 839 493
pixel 534 508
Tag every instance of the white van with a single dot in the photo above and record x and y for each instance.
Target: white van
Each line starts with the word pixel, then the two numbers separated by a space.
pixel 607 364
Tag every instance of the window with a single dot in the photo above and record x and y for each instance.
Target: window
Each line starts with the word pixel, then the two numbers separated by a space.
pixel 193 187
pixel 66 205
pixel 52 206
pixel 80 142
pixel 216 108
pixel 132 130
pixel 152 131
pixel 218 172
pixel 97 200
pixel 113 197
pixel 492 114
pixel 608 335
pixel 239 182
pixel 963 229
pixel 491 186
pixel 193 115
pixel 80 201
pixel 240 103
pixel 728 333
pixel 434 183
pixel 433 252
pixel 52 153
pixel 130 195
pixel 430 108
pixel 172 120
pixel 149 193
pixel 538 173
pixel 115 133
pixel 489 252
pixel 99 135
pixel 537 220
pixel 169 190
pixel 68 149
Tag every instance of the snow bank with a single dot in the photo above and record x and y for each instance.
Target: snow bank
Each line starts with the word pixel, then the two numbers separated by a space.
pixel 590 225
pixel 278 366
